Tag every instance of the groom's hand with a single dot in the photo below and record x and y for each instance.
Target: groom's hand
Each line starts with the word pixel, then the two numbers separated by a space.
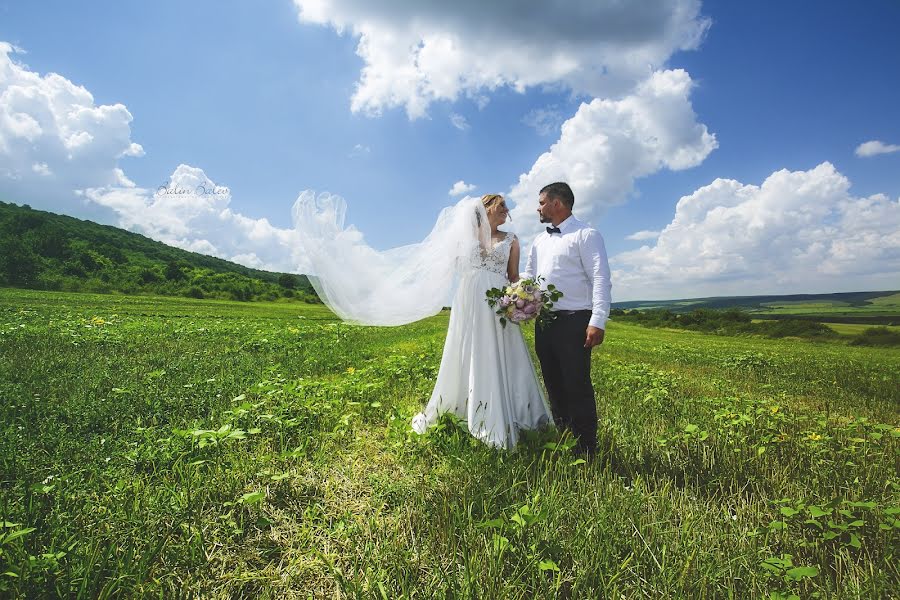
pixel 594 337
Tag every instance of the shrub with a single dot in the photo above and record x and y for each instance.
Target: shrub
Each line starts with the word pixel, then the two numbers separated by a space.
pixel 174 272
pixel 794 328
pixel 288 281
pixel 149 276
pixel 877 336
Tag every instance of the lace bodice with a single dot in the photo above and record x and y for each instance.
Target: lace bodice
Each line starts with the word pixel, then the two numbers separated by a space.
pixel 496 258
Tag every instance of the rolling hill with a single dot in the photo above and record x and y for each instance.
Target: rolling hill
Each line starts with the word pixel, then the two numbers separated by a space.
pixel 43 250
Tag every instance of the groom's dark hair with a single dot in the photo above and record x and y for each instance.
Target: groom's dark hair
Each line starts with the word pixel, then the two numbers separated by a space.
pixel 561 191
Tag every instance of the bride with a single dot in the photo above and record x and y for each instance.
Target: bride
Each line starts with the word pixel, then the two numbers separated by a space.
pixel 486 375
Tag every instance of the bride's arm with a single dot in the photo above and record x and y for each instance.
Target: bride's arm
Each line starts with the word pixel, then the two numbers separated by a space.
pixel 512 267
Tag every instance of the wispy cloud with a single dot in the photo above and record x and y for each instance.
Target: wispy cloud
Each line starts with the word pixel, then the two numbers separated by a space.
pixel 875 147
pixel 360 150
pixel 459 121
pixel 643 235
pixel 545 121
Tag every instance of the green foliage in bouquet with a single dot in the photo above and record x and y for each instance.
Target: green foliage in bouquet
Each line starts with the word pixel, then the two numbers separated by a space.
pixel 523 301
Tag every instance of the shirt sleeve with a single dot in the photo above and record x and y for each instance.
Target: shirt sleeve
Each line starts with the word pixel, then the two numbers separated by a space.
pixel 530 262
pixel 596 266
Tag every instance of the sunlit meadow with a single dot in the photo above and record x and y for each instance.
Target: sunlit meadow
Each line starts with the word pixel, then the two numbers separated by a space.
pixel 166 447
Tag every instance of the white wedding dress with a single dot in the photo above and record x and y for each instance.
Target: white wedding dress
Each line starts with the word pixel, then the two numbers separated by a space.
pixel 486 375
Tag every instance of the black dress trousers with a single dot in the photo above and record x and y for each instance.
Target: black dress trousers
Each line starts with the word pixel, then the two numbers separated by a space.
pixel 566 366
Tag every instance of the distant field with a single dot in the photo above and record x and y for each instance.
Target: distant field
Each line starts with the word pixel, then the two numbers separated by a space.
pixel 872 308
pixel 848 328
pixel 806 305
pixel 883 310
pixel 824 308
pixel 892 301
pixel 856 328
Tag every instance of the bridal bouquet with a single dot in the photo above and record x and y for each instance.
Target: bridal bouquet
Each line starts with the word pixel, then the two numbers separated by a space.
pixel 523 300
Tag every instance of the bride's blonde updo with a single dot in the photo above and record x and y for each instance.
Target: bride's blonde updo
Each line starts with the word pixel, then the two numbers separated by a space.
pixel 490 202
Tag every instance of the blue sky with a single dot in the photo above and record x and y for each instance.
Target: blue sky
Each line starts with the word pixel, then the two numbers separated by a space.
pixel 266 99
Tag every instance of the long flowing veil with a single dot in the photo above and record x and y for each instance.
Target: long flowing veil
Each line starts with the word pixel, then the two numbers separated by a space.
pixel 392 287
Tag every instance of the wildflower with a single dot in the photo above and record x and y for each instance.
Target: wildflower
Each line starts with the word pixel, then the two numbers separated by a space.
pixel 814 437
pixel 351 370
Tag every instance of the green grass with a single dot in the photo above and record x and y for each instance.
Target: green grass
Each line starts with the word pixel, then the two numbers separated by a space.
pixel 165 447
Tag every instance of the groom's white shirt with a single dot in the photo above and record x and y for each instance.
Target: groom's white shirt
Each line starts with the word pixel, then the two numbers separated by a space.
pixel 575 261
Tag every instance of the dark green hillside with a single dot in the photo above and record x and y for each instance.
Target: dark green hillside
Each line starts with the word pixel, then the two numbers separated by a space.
pixel 43 250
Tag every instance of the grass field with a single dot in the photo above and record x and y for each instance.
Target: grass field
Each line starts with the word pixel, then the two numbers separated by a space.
pixel 165 447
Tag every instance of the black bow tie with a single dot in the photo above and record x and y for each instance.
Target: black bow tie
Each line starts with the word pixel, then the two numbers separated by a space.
pixel 553 230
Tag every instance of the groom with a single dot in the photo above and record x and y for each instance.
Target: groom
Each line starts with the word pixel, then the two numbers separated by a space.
pixel 570 255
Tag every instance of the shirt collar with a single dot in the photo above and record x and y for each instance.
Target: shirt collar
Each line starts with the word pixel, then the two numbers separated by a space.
pixel 568 223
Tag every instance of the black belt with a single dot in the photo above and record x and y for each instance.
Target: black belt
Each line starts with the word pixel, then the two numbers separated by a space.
pixel 569 313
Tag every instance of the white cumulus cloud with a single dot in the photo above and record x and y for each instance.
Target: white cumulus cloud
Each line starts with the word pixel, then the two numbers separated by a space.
pixel 192 212
pixel 800 231
pixel 461 187
pixel 876 147
pixel 416 52
pixel 61 152
pixel 54 140
pixel 608 144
